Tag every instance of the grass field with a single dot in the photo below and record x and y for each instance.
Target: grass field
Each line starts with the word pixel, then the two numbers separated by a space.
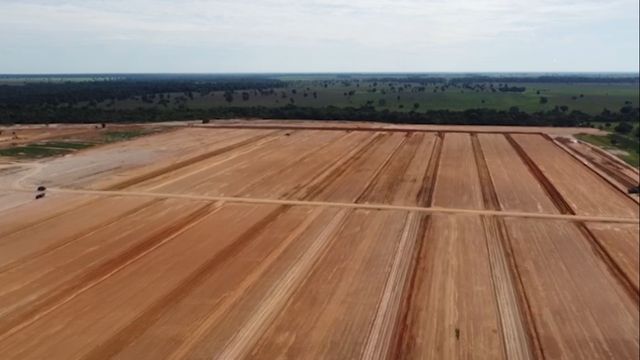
pixel 32 151
pixel 395 96
pixel 66 145
pixel 612 142
pixel 114 136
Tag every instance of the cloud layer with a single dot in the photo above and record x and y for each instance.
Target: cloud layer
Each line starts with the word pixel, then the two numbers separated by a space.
pixel 318 35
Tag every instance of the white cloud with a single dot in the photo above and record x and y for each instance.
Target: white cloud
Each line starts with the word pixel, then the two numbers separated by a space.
pixel 409 26
pixel 382 22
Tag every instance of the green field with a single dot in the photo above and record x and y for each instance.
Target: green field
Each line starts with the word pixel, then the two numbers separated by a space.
pixel 115 136
pixel 396 96
pixel 32 151
pixel 613 141
pixel 45 149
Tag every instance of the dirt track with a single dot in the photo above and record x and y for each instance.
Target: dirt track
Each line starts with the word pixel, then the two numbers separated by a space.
pixel 614 169
pixel 376 126
pixel 279 243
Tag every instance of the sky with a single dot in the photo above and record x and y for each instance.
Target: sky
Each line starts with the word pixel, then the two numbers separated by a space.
pixel 239 36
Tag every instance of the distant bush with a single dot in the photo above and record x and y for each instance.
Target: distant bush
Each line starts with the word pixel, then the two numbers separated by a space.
pixel 623 128
pixel 506 88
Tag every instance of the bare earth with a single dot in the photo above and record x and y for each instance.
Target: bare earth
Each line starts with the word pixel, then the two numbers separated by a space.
pixel 306 240
pixel 617 171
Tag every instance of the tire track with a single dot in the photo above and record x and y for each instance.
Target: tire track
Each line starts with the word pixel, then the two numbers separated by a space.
pixel 402 339
pixel 608 175
pixel 281 293
pixel 181 164
pixel 553 193
pixel 379 343
pixel 519 333
pixel 589 168
pixel 614 173
pixel 519 336
pixel 402 166
pixel 153 313
pixel 425 195
pixel 370 128
pixel 598 247
pixel 74 287
pixel 601 252
pixel 329 175
pixel 297 190
pixel 430 209
pixel 201 183
pixel 79 236
pixel 520 290
pixel 292 164
pixel 386 329
pixel 182 176
pixel 370 186
pixel 50 217
pixel 489 195
pixel 183 349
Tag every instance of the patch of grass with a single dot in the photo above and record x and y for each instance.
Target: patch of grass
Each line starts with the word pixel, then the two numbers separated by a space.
pixel 64 145
pixel 114 136
pixel 614 141
pixel 30 151
pixel 595 97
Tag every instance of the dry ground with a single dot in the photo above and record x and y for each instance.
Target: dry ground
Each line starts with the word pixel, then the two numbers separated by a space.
pixel 25 134
pixel 335 243
pixel 612 167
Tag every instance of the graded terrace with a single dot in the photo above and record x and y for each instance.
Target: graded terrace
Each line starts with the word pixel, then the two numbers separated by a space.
pixel 307 240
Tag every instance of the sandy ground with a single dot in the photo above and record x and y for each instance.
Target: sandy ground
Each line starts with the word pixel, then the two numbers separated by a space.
pixel 18 135
pixel 617 171
pixel 353 125
pixel 585 191
pixel 292 243
pixel 25 134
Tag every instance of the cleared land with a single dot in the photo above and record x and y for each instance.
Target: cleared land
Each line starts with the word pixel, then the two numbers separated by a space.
pixel 287 242
pixel 617 171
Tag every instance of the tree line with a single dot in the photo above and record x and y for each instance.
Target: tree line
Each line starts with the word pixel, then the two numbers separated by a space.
pixel 64 93
pixel 76 101
pixel 513 116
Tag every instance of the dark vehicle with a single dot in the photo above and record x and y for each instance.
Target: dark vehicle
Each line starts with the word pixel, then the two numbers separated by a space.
pixel 39 196
pixel 41 188
pixel 634 190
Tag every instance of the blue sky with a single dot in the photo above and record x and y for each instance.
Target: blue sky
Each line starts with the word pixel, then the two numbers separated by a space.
pixel 74 36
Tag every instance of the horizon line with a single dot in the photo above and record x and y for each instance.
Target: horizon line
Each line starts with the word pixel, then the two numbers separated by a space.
pixel 604 72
